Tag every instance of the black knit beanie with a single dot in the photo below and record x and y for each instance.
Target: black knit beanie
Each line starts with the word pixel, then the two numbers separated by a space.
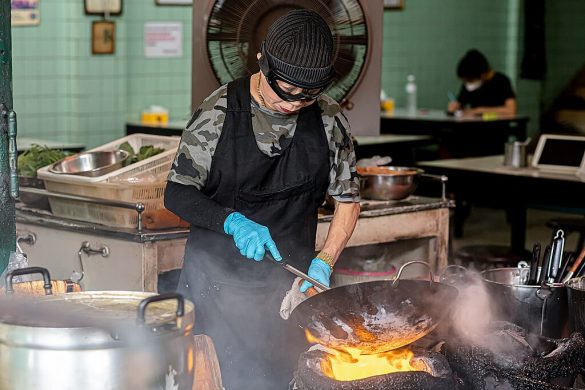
pixel 300 46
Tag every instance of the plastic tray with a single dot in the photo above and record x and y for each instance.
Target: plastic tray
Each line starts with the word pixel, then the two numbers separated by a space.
pixel 144 181
pixel 151 193
pixel 170 144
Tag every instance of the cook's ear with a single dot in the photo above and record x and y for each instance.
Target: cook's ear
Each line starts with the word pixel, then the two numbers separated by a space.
pixel 258 55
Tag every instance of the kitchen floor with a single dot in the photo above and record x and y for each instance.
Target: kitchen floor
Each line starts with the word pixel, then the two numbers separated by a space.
pixel 489 226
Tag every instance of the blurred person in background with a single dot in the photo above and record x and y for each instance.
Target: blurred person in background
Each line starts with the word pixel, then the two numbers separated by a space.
pixel 484 90
pixel 254 164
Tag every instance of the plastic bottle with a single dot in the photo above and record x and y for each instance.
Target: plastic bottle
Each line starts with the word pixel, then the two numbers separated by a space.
pixel 411 95
pixel 17 260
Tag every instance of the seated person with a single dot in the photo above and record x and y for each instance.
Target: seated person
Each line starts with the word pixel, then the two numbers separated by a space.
pixel 483 89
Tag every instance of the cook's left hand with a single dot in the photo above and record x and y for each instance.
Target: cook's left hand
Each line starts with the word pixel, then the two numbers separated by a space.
pixel 318 270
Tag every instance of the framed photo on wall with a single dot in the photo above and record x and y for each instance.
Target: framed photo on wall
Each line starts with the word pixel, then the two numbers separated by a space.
pixel 394 4
pixel 100 7
pixel 103 37
pixel 173 2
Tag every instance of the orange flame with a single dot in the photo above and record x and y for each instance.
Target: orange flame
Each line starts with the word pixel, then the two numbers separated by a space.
pixel 350 364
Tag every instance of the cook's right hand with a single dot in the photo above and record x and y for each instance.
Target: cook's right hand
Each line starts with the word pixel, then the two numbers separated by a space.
pixel 453 106
pixel 251 238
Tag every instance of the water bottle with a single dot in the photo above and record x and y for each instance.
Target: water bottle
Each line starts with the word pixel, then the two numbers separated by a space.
pixel 411 95
pixel 17 260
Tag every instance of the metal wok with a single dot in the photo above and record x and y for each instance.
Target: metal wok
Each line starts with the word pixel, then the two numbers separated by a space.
pixel 375 316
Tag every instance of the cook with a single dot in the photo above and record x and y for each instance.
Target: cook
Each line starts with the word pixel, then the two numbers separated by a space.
pixel 484 90
pixel 254 163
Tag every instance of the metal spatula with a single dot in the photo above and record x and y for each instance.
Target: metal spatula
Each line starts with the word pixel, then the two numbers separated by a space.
pixel 298 273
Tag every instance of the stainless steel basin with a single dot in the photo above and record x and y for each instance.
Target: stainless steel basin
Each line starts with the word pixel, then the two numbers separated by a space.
pixel 90 164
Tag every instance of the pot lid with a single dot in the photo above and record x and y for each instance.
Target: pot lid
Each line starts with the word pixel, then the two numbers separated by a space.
pixel 90 309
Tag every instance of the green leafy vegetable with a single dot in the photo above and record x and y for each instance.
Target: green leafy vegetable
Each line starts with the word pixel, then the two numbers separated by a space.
pixel 127 148
pixel 145 152
pixel 37 157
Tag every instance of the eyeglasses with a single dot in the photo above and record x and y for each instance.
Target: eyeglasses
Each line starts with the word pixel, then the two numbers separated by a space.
pixel 304 95
pixel 276 78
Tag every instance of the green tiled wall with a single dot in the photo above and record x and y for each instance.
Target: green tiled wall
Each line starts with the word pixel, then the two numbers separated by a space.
pixel 428 38
pixel 565 44
pixel 63 92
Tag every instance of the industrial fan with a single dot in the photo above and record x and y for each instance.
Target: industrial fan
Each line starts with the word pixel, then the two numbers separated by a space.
pixel 227 35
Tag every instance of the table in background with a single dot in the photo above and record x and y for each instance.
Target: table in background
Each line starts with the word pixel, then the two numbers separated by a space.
pixel 398 146
pixel 485 179
pixel 465 136
pixel 402 148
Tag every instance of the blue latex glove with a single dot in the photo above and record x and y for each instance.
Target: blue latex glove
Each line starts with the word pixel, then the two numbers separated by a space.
pixel 251 238
pixel 318 270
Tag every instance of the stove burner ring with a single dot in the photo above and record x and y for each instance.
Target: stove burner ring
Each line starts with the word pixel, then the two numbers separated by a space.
pixel 309 375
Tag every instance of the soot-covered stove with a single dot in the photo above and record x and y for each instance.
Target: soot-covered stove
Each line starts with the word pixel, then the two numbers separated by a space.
pixel 505 357
pixel 319 369
pixel 509 358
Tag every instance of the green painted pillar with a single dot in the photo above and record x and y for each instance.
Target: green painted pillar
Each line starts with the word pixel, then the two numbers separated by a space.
pixel 7 216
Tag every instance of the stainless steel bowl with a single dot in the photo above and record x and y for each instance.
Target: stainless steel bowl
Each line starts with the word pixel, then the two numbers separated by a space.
pixel 90 164
pixel 398 183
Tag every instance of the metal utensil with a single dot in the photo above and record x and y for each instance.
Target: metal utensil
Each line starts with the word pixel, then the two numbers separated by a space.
pixel 545 269
pixel 568 259
pixel 90 164
pixel 575 267
pixel 298 273
pixel 558 246
pixel 581 270
pixel 534 264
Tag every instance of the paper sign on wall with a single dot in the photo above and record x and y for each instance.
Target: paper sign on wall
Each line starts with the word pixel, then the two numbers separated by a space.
pixel 163 39
pixel 25 12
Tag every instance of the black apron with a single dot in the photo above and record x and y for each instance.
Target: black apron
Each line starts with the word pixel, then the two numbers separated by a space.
pixel 237 300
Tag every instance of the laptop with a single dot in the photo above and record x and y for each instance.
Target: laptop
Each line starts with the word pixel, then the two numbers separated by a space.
pixel 560 153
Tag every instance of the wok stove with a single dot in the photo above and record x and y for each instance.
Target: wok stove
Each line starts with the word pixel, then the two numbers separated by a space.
pixel 508 358
pixel 436 375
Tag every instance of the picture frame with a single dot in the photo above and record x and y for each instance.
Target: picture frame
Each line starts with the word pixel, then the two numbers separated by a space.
pixel 174 2
pixel 102 7
pixel 394 4
pixel 103 37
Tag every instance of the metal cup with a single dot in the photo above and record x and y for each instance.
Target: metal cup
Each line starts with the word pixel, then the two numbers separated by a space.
pixel 515 155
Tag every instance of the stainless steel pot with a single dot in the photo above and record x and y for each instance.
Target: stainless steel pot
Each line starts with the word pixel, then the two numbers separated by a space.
pixel 97 340
pixel 539 309
pixel 576 291
pixel 388 183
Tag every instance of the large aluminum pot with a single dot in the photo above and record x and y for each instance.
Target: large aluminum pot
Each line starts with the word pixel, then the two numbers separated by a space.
pixel 576 291
pixel 96 341
pixel 540 309
pixel 388 183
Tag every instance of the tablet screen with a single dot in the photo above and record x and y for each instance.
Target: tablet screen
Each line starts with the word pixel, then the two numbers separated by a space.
pixel 562 152
pixel 559 152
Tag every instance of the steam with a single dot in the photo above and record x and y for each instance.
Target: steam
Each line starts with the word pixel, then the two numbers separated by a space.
pixel 473 312
pixel 477 321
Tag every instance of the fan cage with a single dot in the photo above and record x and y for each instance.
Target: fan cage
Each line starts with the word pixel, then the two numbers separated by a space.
pixel 235 29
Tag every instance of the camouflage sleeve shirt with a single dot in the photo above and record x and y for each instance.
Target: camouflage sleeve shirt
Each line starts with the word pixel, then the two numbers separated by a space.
pixel 272 131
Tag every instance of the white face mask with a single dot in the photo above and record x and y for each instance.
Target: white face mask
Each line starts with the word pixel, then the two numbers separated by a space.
pixel 473 85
